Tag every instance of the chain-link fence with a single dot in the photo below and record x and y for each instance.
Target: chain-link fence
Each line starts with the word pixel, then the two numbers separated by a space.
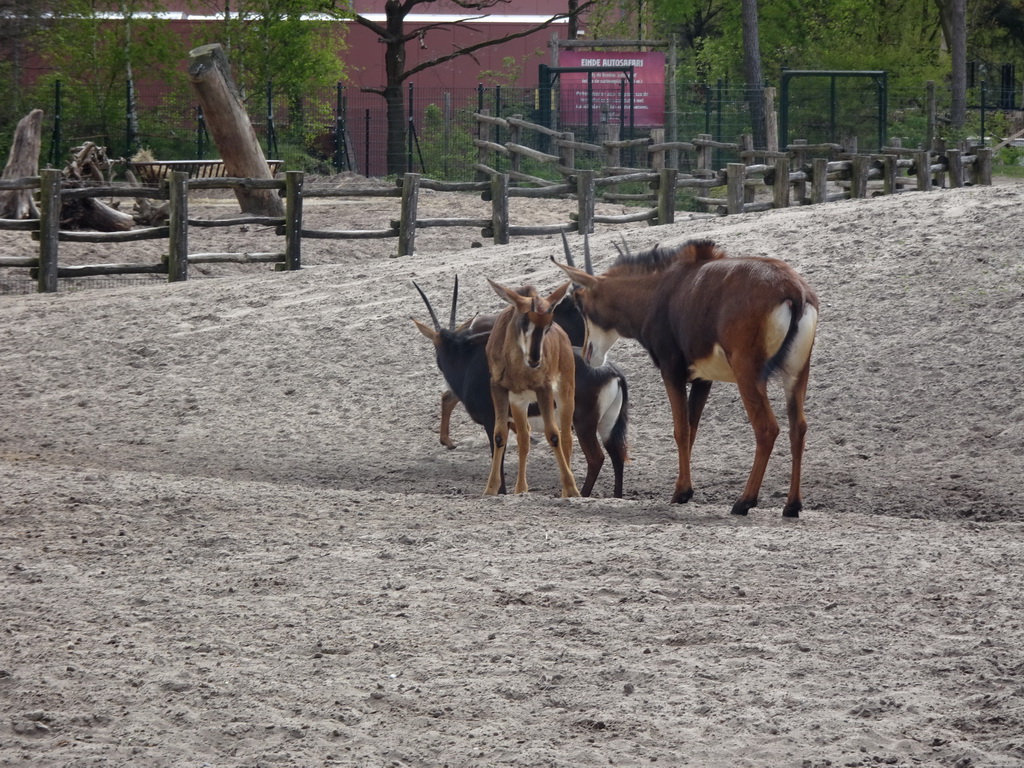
pixel 345 129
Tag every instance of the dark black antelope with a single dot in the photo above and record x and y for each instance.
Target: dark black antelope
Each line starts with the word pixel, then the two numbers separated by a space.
pixel 705 317
pixel 530 359
pixel 601 413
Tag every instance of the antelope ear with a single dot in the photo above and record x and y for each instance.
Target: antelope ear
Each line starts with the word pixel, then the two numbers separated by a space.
pixel 426 330
pixel 522 303
pixel 578 276
pixel 557 296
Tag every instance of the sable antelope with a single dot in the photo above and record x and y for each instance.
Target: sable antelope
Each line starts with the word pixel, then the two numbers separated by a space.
pixel 530 359
pixel 704 317
pixel 602 399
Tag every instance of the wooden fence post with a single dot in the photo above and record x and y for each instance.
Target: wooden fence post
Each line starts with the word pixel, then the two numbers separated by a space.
pixel 499 208
pixel 49 227
pixel 704 154
pixel 819 180
pixel 859 165
pixel 799 159
pixel 407 224
pixel 586 192
pixel 514 131
pixel 889 174
pixel 938 152
pixel 611 152
pixel 771 119
pixel 746 143
pixel 177 239
pixel 735 176
pixel 667 195
pixel 566 152
pixel 955 167
pixel 293 220
pixel 983 167
pixel 923 161
pixel 780 189
pixel 932 116
pixel 484 134
pixel 656 160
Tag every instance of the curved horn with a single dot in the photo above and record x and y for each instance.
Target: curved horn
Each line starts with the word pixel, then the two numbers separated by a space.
pixel 455 301
pixel 565 247
pixel 430 309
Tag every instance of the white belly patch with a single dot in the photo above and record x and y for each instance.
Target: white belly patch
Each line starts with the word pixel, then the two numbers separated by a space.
pixel 714 367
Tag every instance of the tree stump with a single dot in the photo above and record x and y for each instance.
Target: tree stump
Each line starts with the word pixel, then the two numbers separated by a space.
pixel 231 128
pixel 22 162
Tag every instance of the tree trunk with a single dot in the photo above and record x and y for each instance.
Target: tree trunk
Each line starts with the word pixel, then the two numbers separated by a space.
pixel 958 51
pixel 394 71
pixel 22 162
pixel 396 130
pixel 231 129
pixel 752 70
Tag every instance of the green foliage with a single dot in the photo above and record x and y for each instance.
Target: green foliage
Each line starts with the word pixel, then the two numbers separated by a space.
pixel 445 146
pixel 903 38
pixel 94 57
pixel 509 74
pixel 267 41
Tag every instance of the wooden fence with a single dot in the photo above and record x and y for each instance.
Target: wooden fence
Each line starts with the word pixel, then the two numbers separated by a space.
pixel 800 175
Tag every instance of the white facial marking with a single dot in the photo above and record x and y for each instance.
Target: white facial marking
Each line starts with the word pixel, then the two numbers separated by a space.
pixel 596 344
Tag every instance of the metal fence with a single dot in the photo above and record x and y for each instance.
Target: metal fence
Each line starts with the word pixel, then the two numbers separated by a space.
pixel 345 129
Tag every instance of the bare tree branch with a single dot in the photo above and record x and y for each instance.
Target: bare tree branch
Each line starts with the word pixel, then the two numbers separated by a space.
pixel 489 42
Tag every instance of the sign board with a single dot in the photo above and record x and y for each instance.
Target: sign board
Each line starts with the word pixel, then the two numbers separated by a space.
pixel 607 87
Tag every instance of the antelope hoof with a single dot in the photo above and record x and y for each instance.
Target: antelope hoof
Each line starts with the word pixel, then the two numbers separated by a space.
pixel 447 444
pixel 743 506
pixel 792 509
pixel 681 497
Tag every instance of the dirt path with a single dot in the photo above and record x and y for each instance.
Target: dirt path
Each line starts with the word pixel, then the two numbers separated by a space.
pixel 229 535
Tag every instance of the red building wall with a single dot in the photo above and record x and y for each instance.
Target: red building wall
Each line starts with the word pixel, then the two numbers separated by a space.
pixel 364 55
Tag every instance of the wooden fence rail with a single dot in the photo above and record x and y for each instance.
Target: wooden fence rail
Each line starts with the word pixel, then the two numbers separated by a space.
pixel 795 176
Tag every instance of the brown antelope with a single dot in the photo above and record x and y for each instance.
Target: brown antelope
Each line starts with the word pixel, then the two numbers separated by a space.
pixel 704 317
pixel 531 360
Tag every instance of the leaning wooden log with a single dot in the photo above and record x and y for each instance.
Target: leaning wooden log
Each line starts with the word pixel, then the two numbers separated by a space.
pixel 22 162
pixel 231 129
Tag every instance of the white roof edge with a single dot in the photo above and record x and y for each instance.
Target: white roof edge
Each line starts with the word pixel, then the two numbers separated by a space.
pixel 413 18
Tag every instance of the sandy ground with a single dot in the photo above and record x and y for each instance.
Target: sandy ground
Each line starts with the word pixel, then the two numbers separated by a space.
pixel 229 535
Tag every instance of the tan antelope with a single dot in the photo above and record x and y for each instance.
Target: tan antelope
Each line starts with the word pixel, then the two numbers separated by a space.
pixel 531 360
pixel 601 412
pixel 705 317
